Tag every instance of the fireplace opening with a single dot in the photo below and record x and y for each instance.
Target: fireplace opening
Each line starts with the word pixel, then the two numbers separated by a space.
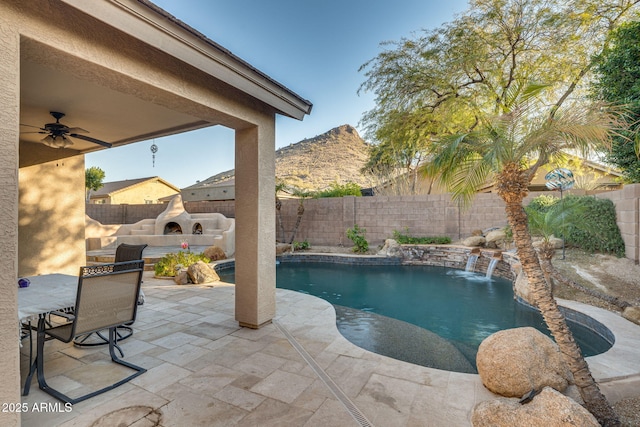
pixel 197 228
pixel 172 228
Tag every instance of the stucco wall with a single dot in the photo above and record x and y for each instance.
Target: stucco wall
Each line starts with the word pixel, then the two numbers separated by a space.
pixel 51 218
pixel 9 127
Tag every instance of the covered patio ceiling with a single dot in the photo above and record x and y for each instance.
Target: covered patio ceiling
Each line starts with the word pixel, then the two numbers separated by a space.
pixel 106 114
pixel 98 96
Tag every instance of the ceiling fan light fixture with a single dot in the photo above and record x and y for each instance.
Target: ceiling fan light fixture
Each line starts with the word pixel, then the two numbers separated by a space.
pixel 64 141
pixel 57 141
pixel 49 141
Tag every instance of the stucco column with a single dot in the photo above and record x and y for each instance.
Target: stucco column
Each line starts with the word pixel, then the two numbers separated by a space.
pixel 9 128
pixel 255 225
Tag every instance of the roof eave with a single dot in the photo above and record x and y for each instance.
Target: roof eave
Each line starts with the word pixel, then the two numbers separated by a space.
pixel 149 23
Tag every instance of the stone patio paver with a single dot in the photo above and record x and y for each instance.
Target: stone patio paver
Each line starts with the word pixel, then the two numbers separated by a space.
pixel 203 369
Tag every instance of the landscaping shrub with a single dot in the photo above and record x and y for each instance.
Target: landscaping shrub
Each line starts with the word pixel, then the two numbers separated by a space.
pixel 170 263
pixel 340 190
pixel 356 235
pixel 299 246
pixel 597 230
pixel 405 239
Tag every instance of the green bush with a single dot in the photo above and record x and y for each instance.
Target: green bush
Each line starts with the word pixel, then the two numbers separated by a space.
pixel 340 190
pixel 299 246
pixel 602 233
pixel 356 235
pixel 597 230
pixel 406 239
pixel 543 203
pixel 172 262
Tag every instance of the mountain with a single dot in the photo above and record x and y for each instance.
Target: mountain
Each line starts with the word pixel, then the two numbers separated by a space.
pixel 315 163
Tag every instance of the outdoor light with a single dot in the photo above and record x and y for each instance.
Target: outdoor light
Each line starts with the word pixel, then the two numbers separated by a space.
pixel 560 179
pixel 57 141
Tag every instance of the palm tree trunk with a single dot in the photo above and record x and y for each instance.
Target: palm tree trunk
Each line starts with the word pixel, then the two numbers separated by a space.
pixel 298 220
pixel 279 217
pixel 512 188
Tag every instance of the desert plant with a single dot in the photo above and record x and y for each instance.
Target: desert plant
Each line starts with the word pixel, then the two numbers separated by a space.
pixel 340 190
pixel 300 246
pixel 405 238
pixel 357 236
pixel 586 222
pixel 169 265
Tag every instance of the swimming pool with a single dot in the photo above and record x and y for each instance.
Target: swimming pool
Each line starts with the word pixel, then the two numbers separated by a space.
pixel 426 315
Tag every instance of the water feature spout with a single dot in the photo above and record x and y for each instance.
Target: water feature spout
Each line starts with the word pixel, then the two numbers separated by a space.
pixel 471 262
pixel 491 267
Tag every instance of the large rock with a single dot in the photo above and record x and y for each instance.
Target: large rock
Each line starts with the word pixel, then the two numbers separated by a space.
pixel 214 253
pixel 282 248
pixel 474 241
pixel 515 361
pixel 391 248
pixel 181 277
pixel 201 272
pixel 549 409
pixel 632 313
pixel 495 238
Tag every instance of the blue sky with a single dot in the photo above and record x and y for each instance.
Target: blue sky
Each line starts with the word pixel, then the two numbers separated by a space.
pixel 313 47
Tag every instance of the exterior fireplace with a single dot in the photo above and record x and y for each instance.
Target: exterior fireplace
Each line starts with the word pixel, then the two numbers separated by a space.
pixel 172 228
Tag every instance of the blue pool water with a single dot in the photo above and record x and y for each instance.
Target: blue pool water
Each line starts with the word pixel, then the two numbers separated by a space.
pixel 382 308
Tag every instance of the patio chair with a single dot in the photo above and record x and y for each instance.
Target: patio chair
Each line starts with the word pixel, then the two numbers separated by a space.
pixel 124 252
pixel 107 297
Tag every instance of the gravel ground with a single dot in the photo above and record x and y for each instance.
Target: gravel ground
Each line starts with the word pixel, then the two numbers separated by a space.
pixel 618 277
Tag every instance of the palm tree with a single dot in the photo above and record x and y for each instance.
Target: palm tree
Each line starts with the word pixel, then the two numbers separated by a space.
pixel 509 148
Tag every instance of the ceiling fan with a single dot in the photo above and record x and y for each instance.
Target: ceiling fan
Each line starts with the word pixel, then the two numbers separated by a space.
pixel 59 135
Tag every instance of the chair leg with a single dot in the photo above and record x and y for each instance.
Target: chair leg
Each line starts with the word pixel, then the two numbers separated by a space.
pixel 122 333
pixel 58 395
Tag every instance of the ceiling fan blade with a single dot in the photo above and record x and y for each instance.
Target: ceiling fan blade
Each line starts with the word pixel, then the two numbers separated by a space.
pixel 88 138
pixel 32 126
pixel 77 130
pixel 40 132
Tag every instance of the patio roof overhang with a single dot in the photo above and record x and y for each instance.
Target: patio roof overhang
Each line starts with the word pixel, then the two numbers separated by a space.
pixel 119 109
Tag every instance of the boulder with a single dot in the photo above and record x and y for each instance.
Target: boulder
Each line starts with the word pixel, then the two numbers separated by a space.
pixel 632 314
pixel 181 277
pixel 474 241
pixel 495 238
pixel 521 284
pixel 477 232
pixel 549 408
pixel 512 362
pixel 201 272
pixel 391 248
pixel 282 248
pixel 214 253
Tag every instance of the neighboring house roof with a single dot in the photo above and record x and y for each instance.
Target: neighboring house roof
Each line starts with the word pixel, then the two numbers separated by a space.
pixel 110 188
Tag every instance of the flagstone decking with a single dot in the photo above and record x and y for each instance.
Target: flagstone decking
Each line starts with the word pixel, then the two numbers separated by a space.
pixel 203 369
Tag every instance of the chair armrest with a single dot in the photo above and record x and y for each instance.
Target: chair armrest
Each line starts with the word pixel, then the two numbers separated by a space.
pixel 68 316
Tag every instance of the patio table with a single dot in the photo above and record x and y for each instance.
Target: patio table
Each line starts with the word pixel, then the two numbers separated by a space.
pixel 45 294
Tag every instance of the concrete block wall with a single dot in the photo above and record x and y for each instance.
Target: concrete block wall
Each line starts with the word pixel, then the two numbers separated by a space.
pixel 325 221
pixel 627 203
